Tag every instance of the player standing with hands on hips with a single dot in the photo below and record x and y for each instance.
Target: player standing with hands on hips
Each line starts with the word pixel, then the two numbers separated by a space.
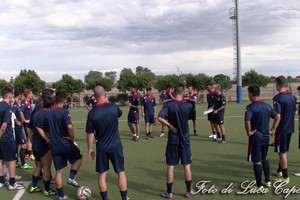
pixel 102 123
pixel 175 115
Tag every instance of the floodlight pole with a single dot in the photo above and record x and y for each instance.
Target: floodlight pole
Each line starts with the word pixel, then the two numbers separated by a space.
pixel 239 88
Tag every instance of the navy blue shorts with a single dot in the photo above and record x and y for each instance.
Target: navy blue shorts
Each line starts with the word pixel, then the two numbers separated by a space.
pixel 61 160
pixel 149 118
pixel 8 151
pixel 218 118
pixel 40 153
pixel 20 137
pixel 282 142
pixel 133 117
pixel 116 158
pixel 257 147
pixel 174 152
pixel 192 115
pixel 210 116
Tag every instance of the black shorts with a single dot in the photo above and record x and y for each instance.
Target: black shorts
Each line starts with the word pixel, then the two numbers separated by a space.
pixel 133 117
pixel 282 142
pixel 60 160
pixel 210 117
pixel 8 151
pixel 192 115
pixel 116 158
pixel 149 118
pixel 257 153
pixel 20 137
pixel 218 118
pixel 40 153
pixel 174 152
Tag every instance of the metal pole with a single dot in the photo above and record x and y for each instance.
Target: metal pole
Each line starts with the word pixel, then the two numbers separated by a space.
pixel 239 89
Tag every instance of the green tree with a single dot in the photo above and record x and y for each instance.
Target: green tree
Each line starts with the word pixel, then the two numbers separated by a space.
pixel 28 79
pixel 145 78
pixel 162 81
pixel 106 83
pixel 198 81
pixel 111 75
pixel 70 85
pixel 253 78
pixel 127 79
pixel 92 75
pixel 224 81
pixel 3 84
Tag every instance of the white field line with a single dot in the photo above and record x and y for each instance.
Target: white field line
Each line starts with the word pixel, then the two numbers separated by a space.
pixel 21 192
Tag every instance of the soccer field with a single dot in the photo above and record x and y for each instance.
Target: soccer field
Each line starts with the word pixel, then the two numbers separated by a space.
pixel 221 164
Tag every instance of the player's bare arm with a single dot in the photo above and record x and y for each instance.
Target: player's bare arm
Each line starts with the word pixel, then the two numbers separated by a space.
pixel 43 134
pixel 166 123
pixel 248 128
pixel 3 129
pixel 90 140
pixel 70 132
pixel 219 109
pixel 275 124
pixel 23 118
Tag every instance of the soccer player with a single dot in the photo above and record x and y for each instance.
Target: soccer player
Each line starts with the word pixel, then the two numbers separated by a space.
pixel 149 111
pixel 285 104
pixel 102 123
pixel 191 97
pixel 20 138
pixel 58 125
pixel 168 95
pixel 45 93
pixel 25 113
pixel 91 101
pixel 133 114
pixel 175 115
pixel 7 140
pixel 41 150
pixel 210 102
pixel 218 114
pixel 257 117
pixel 298 88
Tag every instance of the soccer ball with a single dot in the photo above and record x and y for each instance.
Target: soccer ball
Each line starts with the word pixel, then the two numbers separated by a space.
pixel 84 192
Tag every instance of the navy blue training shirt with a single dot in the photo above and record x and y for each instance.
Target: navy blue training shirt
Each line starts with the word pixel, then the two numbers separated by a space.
pixel 5 117
pixel 92 100
pixel 219 101
pixel 210 99
pixel 16 110
pixel 103 121
pixel 39 106
pixel 134 99
pixel 148 102
pixel 55 124
pixel 285 104
pixel 26 108
pixel 177 113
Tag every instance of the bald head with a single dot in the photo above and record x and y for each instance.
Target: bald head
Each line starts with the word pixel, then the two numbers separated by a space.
pixel 99 92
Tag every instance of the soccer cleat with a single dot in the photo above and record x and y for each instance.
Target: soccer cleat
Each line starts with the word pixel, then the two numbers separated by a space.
pixel 281 179
pixel 126 198
pixel 63 198
pixel 72 182
pixel 211 136
pixel 189 195
pixel 134 138
pixel 222 142
pixel 31 157
pixel 52 181
pixel 50 193
pixel 151 136
pixel 268 184
pixel 297 174
pixel 214 137
pixel 137 138
pixel 167 195
pixel 18 165
pixel 2 185
pixel 218 139
pixel 277 174
pixel 26 166
pixel 16 186
pixel 162 134
pixel 147 136
pixel 36 189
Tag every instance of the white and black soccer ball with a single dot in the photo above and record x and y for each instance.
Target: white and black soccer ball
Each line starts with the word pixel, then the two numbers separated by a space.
pixel 84 193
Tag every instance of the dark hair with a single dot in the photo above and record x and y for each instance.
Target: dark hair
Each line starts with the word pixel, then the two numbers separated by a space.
pixel 18 92
pixel 168 86
pixel 61 96
pixel 6 91
pixel 281 81
pixel 254 90
pixel 149 88
pixel 48 102
pixel 179 88
pixel 298 88
pixel 47 93
pixel 209 84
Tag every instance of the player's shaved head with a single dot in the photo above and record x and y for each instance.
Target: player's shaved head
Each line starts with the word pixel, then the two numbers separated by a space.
pixel 179 89
pixel 99 91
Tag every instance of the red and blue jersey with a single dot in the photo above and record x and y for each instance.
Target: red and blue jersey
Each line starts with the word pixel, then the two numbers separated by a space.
pixel 166 96
pixel 210 99
pixel 16 109
pixel 191 95
pixel 103 121
pixel 259 114
pixel 285 104
pixel 134 99
pixel 55 124
pixel 5 117
pixel 177 113
pixel 26 108
pixel 39 106
pixel 148 102
pixel 92 100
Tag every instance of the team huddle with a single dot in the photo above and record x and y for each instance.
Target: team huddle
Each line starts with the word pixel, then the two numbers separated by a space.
pixel 50 134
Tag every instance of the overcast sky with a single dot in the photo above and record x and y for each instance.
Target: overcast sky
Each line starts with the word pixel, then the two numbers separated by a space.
pixel 55 37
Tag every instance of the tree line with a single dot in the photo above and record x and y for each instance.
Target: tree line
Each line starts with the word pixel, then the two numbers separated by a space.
pixel 141 78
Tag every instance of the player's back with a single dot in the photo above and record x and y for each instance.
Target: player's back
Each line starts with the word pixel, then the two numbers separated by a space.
pixel 37 140
pixel 104 120
pixel 5 117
